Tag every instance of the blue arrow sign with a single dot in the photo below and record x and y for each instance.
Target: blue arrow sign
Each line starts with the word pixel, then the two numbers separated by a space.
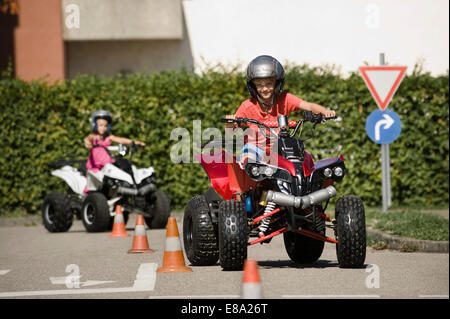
pixel 383 127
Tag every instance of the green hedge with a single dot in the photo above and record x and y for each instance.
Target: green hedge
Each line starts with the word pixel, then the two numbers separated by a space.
pixel 41 123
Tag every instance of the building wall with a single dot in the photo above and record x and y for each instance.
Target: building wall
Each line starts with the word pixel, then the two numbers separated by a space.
pixel 39 48
pixel 168 34
pixel 345 33
pixel 121 20
pixel 112 36
pixel 107 58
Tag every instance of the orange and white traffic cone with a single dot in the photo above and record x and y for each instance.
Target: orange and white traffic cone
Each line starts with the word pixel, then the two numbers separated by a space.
pixel 140 242
pixel 251 283
pixel 119 224
pixel 173 260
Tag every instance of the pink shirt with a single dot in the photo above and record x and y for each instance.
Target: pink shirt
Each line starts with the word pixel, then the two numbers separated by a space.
pixel 99 157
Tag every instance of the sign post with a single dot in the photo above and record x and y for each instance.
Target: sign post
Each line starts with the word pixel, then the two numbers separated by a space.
pixel 385 167
pixel 384 126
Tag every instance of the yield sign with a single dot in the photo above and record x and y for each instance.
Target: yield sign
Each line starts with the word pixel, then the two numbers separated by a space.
pixel 382 82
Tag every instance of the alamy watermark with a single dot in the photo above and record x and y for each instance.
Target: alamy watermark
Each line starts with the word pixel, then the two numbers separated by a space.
pixel 373 16
pixel 373 279
pixel 73 279
pixel 72 19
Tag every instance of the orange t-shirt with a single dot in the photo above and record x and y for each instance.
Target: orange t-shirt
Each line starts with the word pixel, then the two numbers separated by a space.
pixel 285 103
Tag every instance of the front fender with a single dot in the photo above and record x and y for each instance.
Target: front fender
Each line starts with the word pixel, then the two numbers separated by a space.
pixel 114 172
pixel 225 174
pixel 142 173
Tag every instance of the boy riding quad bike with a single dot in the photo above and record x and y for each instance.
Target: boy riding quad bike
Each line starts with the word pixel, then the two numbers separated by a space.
pixel 251 205
pixel 92 197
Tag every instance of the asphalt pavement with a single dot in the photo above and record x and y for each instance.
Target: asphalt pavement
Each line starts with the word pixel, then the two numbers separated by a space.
pixel 36 264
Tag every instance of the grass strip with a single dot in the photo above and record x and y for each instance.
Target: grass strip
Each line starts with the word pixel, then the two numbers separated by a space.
pixel 409 223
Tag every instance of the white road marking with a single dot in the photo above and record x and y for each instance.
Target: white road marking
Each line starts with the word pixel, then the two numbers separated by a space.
pixel 95 282
pixel 145 281
pixel 60 280
pixel 330 296
pixel 146 276
pixel 63 281
pixel 5 271
pixel 195 297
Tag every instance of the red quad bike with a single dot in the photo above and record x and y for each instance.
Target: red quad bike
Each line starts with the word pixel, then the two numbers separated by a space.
pixel 250 206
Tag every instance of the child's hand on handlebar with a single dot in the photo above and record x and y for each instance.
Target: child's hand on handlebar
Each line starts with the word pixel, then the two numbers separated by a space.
pixel 329 113
pixel 139 143
pixel 230 125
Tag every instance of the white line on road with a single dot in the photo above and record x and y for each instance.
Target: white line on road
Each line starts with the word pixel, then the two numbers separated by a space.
pixel 73 291
pixel 330 296
pixel 145 281
pixel 195 297
pixel 5 271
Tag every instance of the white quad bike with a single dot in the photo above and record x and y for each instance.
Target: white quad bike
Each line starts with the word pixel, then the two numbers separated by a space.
pixel 120 183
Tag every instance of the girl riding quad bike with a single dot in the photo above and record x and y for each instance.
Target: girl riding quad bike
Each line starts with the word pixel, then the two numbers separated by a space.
pixel 288 195
pixel 103 182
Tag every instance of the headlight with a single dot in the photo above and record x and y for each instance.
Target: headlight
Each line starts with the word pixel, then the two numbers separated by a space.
pixel 269 171
pixel 338 171
pixel 327 172
pixel 261 171
pixel 255 171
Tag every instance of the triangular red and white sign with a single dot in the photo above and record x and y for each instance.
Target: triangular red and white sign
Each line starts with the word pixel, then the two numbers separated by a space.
pixel 382 82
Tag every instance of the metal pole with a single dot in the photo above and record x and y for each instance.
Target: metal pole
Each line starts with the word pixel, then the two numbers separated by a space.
pixel 385 167
pixel 388 176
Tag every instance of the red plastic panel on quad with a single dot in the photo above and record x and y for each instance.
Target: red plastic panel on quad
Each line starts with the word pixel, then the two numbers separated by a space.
pixel 225 174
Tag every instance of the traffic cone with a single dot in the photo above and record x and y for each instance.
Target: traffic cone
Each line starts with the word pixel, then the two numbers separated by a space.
pixel 173 260
pixel 140 242
pixel 251 283
pixel 119 225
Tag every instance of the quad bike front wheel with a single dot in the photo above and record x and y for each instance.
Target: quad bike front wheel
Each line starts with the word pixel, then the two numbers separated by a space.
pixel 350 232
pixel 199 237
pixel 56 213
pixel 302 249
pixel 233 235
pixel 95 213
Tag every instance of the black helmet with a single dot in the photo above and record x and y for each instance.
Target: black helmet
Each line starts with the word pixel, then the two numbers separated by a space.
pixel 100 114
pixel 265 66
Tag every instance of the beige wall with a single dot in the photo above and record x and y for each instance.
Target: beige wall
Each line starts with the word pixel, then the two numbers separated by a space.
pixel 121 20
pixel 126 36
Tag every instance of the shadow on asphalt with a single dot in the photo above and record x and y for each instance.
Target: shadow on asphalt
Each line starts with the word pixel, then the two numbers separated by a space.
pixel 267 264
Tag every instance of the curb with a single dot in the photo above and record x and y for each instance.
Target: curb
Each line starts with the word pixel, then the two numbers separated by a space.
pixel 409 244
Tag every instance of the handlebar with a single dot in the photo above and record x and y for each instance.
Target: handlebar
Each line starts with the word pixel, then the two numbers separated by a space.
pixel 269 125
pixel 122 149
pixel 314 118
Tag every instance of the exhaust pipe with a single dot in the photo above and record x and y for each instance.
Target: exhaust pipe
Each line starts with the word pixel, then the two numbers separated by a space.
pixel 141 191
pixel 301 201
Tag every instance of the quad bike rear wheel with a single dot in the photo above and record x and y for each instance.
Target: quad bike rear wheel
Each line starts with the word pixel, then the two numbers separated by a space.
pixel 350 232
pixel 233 235
pixel 199 237
pixel 95 213
pixel 161 210
pixel 56 212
